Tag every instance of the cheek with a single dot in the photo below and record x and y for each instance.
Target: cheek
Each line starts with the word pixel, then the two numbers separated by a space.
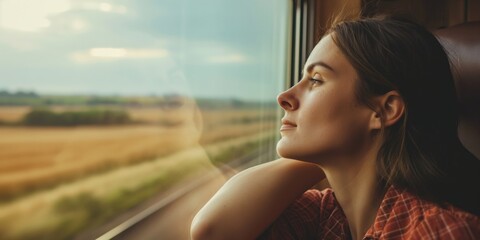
pixel 333 130
pixel 350 133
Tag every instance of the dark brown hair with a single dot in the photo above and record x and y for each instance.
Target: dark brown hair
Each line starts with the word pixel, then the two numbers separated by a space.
pixel 421 152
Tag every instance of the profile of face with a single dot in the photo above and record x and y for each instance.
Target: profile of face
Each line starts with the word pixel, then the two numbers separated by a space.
pixel 323 118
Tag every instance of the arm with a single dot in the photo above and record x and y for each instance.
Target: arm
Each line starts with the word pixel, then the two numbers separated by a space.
pixel 251 200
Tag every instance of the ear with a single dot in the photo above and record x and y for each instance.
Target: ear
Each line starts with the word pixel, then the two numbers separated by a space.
pixel 390 108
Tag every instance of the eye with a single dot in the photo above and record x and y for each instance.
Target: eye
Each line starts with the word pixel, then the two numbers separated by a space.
pixel 316 79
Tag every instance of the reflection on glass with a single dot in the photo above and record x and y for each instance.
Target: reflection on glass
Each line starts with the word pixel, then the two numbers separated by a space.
pixel 106 105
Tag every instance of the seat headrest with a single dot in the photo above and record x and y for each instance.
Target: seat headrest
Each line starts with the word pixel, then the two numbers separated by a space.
pixel 462 44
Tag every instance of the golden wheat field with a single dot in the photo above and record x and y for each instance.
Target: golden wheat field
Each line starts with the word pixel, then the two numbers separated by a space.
pixel 44 168
pixel 36 157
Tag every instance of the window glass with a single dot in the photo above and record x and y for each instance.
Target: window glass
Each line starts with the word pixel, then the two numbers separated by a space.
pixel 110 107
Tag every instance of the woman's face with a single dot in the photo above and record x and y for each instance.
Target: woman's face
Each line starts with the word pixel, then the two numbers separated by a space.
pixel 323 119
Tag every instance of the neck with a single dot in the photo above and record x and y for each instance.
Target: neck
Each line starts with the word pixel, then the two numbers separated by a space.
pixel 357 190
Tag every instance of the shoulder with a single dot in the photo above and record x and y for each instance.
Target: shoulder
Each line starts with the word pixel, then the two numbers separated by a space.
pixel 304 218
pixel 429 220
pixel 405 215
pixel 446 223
pixel 311 204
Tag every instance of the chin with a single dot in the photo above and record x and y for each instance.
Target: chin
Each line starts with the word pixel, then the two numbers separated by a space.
pixel 291 151
pixel 286 151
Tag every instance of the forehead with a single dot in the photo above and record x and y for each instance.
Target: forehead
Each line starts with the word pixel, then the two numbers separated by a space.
pixel 326 51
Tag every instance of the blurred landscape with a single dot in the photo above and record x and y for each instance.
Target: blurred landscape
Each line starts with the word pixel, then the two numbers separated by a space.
pixel 68 163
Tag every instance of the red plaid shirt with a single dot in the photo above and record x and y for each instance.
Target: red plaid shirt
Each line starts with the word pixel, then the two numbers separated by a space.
pixel 402 215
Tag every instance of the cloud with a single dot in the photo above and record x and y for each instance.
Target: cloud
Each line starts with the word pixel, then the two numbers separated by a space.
pixel 102 6
pixel 112 54
pixel 29 16
pixel 33 16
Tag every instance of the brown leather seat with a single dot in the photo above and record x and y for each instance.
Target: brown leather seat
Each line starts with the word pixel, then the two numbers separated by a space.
pixel 462 43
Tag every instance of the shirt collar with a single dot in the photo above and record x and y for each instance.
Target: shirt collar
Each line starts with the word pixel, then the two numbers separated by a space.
pixel 385 211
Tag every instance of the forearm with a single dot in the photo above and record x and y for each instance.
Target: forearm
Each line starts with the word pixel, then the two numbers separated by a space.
pixel 251 200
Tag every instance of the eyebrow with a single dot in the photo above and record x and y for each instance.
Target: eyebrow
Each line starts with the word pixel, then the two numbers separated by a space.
pixel 319 63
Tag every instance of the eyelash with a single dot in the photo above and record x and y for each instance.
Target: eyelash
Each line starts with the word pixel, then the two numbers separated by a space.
pixel 315 81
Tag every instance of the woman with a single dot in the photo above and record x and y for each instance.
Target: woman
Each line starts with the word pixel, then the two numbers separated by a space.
pixel 375 113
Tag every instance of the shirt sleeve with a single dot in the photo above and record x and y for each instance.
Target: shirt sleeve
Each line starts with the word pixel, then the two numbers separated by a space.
pixel 301 219
pixel 447 226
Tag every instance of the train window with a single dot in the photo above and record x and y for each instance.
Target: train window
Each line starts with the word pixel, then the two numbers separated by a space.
pixel 111 110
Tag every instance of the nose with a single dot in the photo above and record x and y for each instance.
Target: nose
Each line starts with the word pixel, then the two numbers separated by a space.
pixel 287 100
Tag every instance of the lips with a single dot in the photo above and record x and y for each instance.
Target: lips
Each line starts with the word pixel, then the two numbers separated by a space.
pixel 287 125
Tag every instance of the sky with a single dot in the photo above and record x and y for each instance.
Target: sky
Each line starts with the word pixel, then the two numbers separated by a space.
pixel 208 48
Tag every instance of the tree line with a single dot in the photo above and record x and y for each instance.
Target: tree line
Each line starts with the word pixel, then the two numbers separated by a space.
pixel 46 117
